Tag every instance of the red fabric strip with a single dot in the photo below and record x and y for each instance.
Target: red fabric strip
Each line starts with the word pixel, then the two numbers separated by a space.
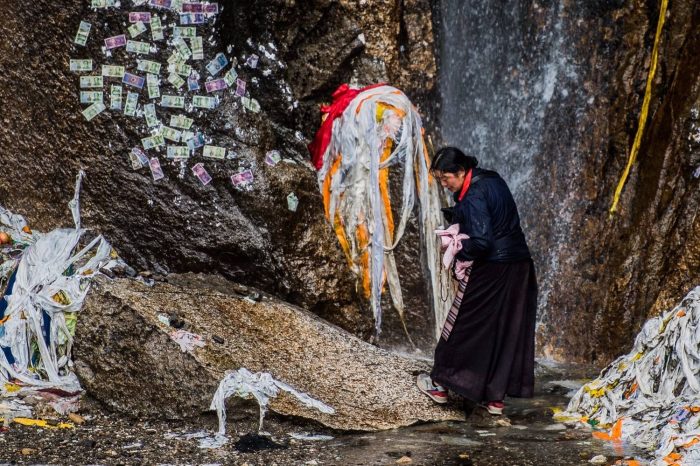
pixel 341 99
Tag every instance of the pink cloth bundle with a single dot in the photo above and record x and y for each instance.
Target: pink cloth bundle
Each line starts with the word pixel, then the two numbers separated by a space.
pixel 451 242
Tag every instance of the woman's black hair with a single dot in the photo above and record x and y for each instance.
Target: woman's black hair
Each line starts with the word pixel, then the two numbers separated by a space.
pixel 452 160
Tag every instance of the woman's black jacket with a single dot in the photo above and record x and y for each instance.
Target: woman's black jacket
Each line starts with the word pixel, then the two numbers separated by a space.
pixel 489 216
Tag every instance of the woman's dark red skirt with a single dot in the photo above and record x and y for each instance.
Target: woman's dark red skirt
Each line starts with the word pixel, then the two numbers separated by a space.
pixel 490 350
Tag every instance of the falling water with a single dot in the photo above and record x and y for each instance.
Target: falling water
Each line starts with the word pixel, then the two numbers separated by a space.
pixel 501 64
pixel 509 87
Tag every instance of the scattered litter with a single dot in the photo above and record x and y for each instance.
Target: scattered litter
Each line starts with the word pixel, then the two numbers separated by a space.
pixel 311 437
pixel 260 386
pixel 45 285
pixel 133 446
pixel 76 418
pixel 504 423
pixel 163 319
pixel 649 397
pixel 187 341
pixel 40 423
pixel 273 157
pixel 555 427
pixel 696 173
pixel 292 202
pixel 365 134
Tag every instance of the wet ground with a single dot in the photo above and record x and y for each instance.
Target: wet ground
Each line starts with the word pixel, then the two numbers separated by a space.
pixel 526 435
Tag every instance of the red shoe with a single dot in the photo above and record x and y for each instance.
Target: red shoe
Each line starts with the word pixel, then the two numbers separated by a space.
pixel 436 392
pixel 495 407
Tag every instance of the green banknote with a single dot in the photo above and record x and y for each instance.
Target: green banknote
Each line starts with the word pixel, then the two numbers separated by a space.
pixel 113 71
pixel 153 141
pixel 148 66
pixel 214 152
pixel 132 101
pixel 115 97
pixel 172 101
pixel 81 36
pixel 181 121
pixel 178 152
pixel 156 28
pixel 141 48
pixel 80 65
pixel 90 97
pixel 93 110
pixel 201 101
pixel 149 112
pixel 170 134
pixel 91 81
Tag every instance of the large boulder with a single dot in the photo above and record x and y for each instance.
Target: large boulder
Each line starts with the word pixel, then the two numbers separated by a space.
pixel 125 357
pixel 306 50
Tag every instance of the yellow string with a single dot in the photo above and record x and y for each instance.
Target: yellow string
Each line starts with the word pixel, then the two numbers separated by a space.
pixel 645 108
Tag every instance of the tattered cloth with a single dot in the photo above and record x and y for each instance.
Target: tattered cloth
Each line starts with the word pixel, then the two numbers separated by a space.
pixel 341 99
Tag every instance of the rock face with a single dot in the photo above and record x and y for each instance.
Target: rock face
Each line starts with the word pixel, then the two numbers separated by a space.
pixel 125 357
pixel 617 272
pixel 176 224
pixel 566 90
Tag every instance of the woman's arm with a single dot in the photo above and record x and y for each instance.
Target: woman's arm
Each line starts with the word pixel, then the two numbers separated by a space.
pixel 475 221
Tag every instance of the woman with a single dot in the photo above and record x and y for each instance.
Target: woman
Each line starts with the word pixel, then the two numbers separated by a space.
pixel 487 347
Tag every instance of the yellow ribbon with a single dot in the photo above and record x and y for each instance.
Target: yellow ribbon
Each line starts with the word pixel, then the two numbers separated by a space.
pixel 645 108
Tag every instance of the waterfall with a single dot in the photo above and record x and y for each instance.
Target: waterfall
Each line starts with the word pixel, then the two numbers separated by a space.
pixel 501 64
pixel 509 88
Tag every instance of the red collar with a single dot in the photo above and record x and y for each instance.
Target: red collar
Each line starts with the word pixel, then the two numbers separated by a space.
pixel 465 186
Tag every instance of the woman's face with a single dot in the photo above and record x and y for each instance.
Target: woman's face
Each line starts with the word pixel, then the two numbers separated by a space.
pixel 451 181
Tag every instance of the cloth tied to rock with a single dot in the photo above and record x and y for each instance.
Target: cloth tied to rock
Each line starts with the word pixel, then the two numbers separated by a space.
pixel 46 278
pixel 366 133
pixel 651 396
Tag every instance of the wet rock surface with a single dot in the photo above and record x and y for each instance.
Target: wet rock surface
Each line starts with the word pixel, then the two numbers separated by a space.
pixel 306 50
pixel 530 439
pixel 549 94
pixel 125 357
pixel 620 271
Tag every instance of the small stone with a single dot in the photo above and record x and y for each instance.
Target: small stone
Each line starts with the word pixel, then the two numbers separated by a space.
pixel 106 271
pixel 88 443
pixel 503 423
pixel 76 418
pixel 404 460
pixel 27 451
pixel 176 321
pixel 217 339
pixel 598 459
